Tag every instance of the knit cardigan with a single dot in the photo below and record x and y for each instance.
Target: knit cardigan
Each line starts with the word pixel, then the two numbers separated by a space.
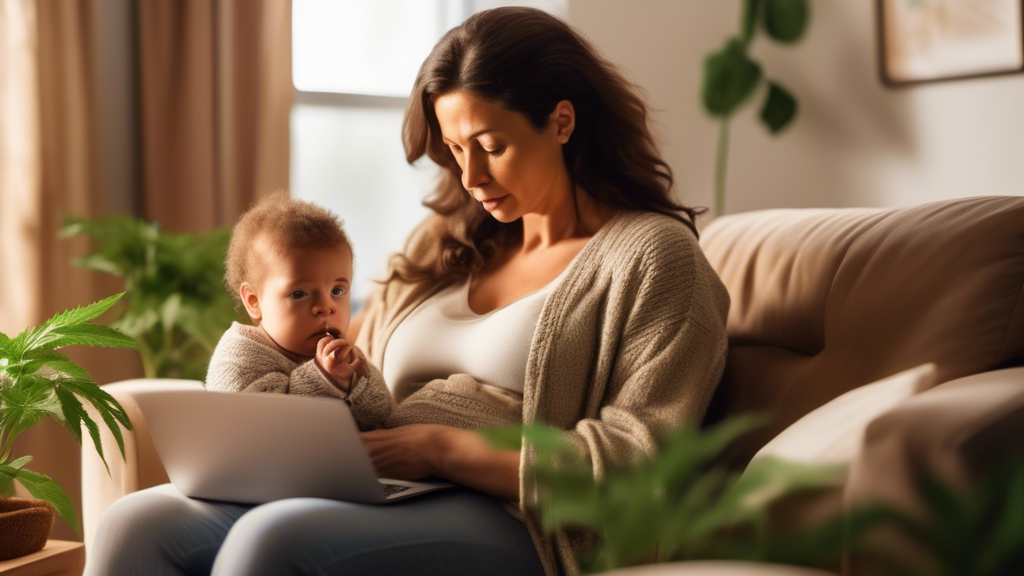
pixel 629 345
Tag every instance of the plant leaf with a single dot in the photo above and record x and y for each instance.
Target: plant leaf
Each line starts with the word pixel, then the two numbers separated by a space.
pixel 767 479
pixel 827 539
pixel 55 360
pixel 110 411
pixel 73 411
pixel 101 262
pixel 9 471
pixel 44 488
pixel 689 448
pixel 46 333
pixel 1008 531
pixel 90 424
pixel 88 335
pixel 24 406
pixel 507 438
pixel 547 438
pixel 6 347
pixel 729 79
pixel 785 20
pixel 779 108
pixel 582 510
pixel 750 16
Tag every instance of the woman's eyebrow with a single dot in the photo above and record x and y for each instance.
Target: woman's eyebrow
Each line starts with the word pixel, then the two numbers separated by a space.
pixel 471 136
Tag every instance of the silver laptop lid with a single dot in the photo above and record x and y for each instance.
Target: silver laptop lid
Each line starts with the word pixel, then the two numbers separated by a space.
pixel 256 448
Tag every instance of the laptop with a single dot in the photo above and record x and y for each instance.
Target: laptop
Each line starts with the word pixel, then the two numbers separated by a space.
pixel 257 448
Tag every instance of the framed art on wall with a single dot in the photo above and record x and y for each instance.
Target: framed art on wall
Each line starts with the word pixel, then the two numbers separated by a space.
pixel 929 40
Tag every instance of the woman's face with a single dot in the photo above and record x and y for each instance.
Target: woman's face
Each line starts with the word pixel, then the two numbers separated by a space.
pixel 508 165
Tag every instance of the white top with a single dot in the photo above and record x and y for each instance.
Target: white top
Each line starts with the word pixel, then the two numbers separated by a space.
pixel 443 336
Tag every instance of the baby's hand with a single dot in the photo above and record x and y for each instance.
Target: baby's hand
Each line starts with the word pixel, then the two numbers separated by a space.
pixel 339 360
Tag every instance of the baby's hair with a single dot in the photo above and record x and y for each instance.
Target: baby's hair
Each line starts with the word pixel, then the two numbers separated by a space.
pixel 277 223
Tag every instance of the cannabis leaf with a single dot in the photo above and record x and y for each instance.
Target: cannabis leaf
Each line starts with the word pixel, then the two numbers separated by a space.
pixel 37 382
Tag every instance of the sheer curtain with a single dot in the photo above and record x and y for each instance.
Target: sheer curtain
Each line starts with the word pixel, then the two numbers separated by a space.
pixel 204 114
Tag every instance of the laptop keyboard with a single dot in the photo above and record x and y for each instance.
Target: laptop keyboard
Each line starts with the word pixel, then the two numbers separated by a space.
pixel 390 489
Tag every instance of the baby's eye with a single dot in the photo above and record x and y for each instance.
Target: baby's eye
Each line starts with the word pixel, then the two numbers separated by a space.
pixel 337 291
pixel 297 294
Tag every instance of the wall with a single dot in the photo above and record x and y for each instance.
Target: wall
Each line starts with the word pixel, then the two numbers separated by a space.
pixel 854 143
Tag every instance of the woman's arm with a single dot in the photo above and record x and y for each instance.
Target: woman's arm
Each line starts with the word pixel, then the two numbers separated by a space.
pixel 463 456
pixel 466 457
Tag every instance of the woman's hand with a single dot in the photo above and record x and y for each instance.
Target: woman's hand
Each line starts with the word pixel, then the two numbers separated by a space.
pixel 463 456
pixel 406 453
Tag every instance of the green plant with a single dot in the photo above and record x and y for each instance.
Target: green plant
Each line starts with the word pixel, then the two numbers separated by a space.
pixel 36 382
pixel 978 531
pixel 177 307
pixel 679 505
pixel 731 76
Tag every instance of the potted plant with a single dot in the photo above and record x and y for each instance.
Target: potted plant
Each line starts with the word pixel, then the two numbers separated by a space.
pixel 681 505
pixel 37 382
pixel 177 307
pixel 975 530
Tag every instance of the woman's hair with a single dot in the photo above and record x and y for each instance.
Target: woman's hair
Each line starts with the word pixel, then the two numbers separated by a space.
pixel 528 61
pixel 275 225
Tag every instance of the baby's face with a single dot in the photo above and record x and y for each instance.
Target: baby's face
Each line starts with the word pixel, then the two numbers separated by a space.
pixel 305 294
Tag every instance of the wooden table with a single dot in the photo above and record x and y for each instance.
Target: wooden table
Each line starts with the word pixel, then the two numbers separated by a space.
pixel 57 558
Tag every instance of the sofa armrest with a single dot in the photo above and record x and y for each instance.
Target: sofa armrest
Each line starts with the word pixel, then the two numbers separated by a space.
pixel 141 467
pixel 954 431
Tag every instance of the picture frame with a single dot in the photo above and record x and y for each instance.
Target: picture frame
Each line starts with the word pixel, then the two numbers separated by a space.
pixel 922 41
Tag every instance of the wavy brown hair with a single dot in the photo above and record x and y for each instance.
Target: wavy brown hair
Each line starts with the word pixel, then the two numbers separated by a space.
pixel 528 61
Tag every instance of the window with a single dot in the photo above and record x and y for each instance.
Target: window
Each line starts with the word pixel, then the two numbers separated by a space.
pixel 354 63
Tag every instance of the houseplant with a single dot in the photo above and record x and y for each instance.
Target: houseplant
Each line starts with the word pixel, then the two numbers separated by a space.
pixel 731 76
pixel 680 505
pixel 37 382
pixel 976 530
pixel 176 306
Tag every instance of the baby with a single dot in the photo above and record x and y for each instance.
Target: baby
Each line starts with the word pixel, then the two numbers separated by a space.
pixel 290 266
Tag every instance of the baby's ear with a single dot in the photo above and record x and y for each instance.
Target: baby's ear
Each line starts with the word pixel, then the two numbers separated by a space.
pixel 251 301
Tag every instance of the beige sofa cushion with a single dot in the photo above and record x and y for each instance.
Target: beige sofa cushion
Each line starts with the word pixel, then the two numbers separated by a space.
pixel 956 432
pixel 824 301
pixel 832 434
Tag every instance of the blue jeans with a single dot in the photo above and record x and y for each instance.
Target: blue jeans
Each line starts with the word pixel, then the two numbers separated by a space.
pixel 451 532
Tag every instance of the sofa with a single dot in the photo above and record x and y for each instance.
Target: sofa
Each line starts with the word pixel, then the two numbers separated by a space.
pixel 888 339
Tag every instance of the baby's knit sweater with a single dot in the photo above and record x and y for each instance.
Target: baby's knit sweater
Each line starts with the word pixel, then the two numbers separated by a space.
pixel 245 361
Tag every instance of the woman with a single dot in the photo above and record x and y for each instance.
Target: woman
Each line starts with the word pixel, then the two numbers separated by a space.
pixel 572 285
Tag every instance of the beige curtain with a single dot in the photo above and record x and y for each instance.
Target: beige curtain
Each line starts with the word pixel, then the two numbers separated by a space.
pixel 46 170
pixel 213 91
pixel 216 94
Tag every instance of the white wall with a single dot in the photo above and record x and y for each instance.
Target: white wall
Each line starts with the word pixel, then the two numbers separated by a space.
pixel 854 142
